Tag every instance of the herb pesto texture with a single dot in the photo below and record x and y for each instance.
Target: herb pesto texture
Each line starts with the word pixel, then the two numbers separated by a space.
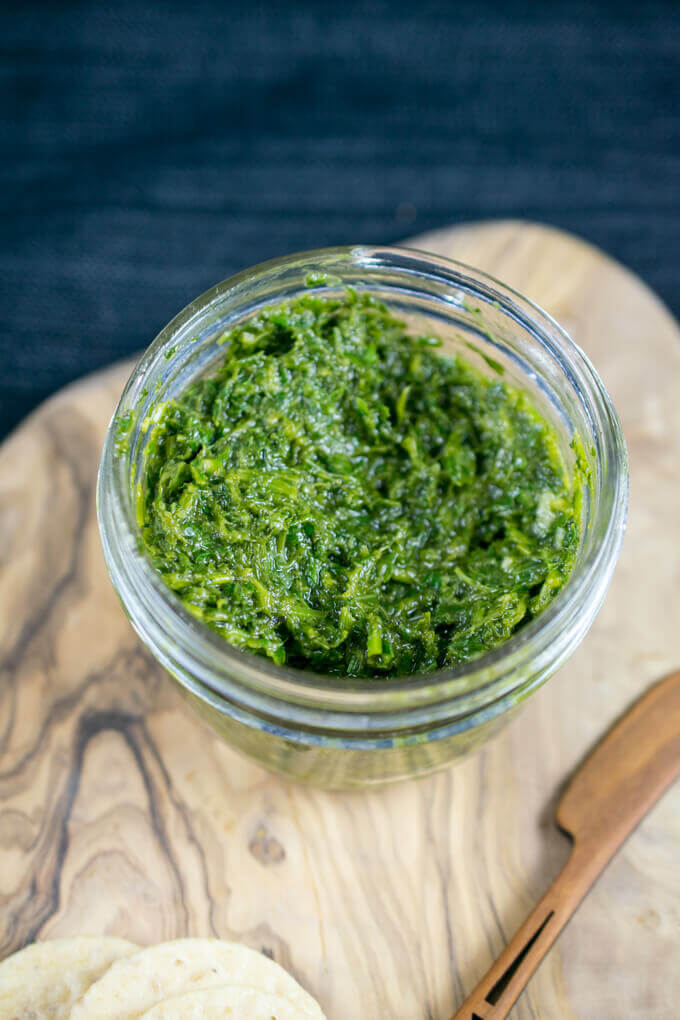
pixel 340 496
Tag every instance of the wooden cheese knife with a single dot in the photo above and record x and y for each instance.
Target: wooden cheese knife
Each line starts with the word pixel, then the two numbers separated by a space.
pixel 609 794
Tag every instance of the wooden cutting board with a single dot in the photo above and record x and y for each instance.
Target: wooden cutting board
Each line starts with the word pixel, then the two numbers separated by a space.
pixel 121 813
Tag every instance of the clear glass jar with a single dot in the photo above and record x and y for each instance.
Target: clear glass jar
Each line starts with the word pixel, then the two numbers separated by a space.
pixel 327 730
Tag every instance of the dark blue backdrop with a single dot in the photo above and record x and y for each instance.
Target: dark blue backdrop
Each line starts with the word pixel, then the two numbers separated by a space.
pixel 151 149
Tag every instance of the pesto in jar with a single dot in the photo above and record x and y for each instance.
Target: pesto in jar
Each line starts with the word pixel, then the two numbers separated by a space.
pixel 340 496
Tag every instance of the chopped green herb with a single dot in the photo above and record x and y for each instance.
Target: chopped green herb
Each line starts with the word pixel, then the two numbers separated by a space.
pixel 339 496
pixel 494 365
pixel 123 428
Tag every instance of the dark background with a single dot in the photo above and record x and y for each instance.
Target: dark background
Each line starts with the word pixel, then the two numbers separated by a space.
pixel 151 149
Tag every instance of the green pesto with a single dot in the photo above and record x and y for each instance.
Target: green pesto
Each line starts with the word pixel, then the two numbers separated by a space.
pixel 339 496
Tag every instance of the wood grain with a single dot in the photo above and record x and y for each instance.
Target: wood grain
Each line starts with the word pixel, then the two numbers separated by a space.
pixel 120 813
pixel 622 778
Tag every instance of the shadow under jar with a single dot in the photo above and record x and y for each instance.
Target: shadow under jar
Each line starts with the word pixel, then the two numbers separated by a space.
pixel 327 730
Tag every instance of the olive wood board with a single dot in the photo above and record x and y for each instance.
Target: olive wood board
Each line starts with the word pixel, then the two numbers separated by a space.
pixel 121 813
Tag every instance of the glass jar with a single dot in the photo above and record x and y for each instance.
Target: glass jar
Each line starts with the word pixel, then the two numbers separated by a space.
pixel 328 730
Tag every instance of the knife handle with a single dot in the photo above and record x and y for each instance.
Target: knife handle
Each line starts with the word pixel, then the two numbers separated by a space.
pixel 500 987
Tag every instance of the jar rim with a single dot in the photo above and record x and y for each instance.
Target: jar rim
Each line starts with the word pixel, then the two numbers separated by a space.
pixel 188 647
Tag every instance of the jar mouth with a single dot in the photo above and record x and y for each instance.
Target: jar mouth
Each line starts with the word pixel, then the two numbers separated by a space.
pixel 191 649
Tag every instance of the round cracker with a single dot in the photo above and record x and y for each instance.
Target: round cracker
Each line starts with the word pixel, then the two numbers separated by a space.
pixel 135 984
pixel 45 979
pixel 232 1001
